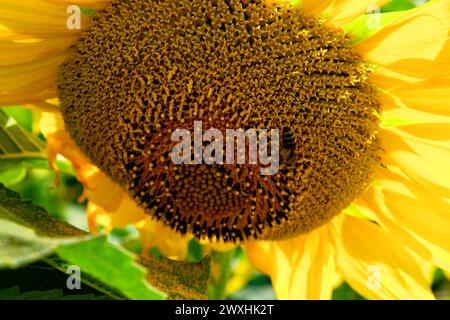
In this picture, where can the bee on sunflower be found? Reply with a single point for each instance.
(364, 109)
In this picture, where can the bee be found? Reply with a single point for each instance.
(288, 146)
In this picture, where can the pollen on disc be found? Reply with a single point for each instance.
(146, 68)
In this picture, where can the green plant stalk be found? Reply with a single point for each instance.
(222, 263)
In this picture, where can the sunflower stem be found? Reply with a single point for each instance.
(221, 272)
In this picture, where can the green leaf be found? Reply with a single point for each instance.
(400, 5)
(23, 116)
(13, 176)
(42, 276)
(64, 166)
(195, 251)
(61, 265)
(20, 245)
(9, 292)
(368, 25)
(180, 280)
(16, 142)
(27, 214)
(38, 234)
(17, 146)
(104, 261)
(57, 294)
(87, 11)
(112, 265)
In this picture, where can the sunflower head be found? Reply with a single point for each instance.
(146, 68)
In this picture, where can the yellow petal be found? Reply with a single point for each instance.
(50, 122)
(28, 95)
(429, 254)
(219, 246)
(29, 82)
(34, 41)
(242, 275)
(300, 268)
(441, 258)
(108, 205)
(40, 17)
(169, 242)
(98, 188)
(340, 12)
(406, 120)
(348, 10)
(374, 264)
(22, 49)
(152, 233)
(426, 215)
(393, 227)
(47, 106)
(438, 68)
(387, 79)
(427, 160)
(399, 47)
(430, 131)
(428, 96)
(316, 8)
(417, 208)
(124, 213)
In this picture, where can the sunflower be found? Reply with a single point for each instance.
(363, 196)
